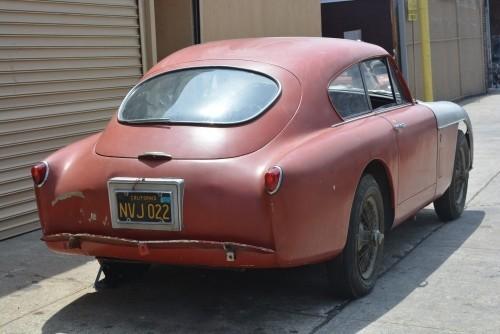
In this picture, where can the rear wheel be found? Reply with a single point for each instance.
(451, 204)
(354, 272)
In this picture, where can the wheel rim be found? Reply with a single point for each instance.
(460, 177)
(368, 237)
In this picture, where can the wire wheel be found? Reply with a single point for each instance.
(367, 243)
(354, 272)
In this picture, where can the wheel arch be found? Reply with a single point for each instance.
(380, 171)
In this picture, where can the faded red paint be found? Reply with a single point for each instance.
(225, 202)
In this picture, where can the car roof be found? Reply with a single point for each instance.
(299, 55)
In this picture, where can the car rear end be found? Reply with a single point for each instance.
(174, 188)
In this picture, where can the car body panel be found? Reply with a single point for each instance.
(228, 218)
(417, 152)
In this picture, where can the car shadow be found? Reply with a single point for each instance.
(399, 281)
(194, 300)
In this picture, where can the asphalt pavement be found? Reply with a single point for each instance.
(437, 278)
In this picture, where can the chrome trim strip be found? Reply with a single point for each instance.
(392, 108)
(373, 113)
(349, 120)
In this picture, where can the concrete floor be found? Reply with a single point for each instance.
(438, 278)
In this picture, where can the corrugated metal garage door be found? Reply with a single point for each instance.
(64, 68)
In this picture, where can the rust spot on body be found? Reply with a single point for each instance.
(68, 195)
(92, 217)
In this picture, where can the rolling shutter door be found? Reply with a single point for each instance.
(65, 66)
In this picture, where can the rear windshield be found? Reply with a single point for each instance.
(200, 95)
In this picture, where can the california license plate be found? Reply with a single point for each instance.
(144, 207)
(146, 203)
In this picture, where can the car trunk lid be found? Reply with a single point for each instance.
(188, 142)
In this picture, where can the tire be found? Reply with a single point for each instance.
(451, 204)
(354, 272)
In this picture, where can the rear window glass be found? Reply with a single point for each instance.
(200, 95)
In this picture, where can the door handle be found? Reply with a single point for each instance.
(399, 126)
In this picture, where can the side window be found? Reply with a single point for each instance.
(347, 93)
(378, 83)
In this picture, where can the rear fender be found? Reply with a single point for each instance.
(312, 208)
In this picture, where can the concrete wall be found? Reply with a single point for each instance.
(225, 19)
(458, 60)
(174, 26)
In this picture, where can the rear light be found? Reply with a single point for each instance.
(273, 179)
(40, 173)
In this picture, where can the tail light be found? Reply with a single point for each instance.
(40, 173)
(273, 179)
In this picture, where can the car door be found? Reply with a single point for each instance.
(415, 131)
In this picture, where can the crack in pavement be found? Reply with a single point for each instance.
(483, 187)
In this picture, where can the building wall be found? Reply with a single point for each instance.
(174, 26)
(458, 60)
(225, 19)
(64, 70)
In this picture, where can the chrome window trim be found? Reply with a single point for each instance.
(396, 107)
(350, 120)
(257, 115)
(377, 113)
(364, 85)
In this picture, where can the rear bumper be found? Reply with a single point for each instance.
(179, 252)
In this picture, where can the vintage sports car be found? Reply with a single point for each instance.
(258, 153)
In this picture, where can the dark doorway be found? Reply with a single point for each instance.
(367, 20)
(495, 42)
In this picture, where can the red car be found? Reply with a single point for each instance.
(258, 153)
